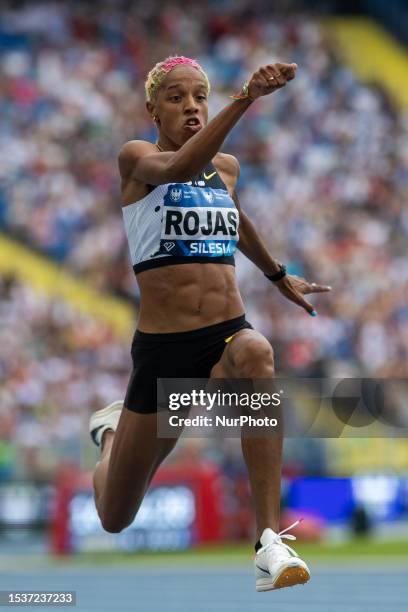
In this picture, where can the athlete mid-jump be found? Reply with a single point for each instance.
(181, 216)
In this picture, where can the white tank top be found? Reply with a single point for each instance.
(178, 223)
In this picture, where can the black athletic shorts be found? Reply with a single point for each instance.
(190, 354)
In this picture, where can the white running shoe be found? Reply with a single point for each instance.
(276, 564)
(106, 418)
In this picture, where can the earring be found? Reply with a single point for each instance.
(155, 118)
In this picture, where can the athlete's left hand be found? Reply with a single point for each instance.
(294, 288)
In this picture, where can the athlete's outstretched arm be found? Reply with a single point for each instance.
(155, 168)
(252, 246)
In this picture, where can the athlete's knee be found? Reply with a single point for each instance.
(254, 359)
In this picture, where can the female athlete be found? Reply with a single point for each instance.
(181, 215)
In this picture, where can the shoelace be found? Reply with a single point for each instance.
(278, 539)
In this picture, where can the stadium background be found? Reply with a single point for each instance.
(324, 176)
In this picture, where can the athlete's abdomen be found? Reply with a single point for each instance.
(183, 297)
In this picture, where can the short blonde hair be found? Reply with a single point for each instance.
(161, 69)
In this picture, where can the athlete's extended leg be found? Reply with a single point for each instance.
(130, 458)
(249, 355)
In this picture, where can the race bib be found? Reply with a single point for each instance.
(198, 222)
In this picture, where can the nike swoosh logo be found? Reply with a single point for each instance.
(262, 570)
(207, 178)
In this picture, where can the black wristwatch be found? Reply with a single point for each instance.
(278, 275)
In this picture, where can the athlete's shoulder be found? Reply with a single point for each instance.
(136, 148)
(132, 151)
(227, 163)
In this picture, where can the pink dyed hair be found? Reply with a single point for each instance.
(179, 60)
(161, 69)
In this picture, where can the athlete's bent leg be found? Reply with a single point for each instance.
(249, 355)
(130, 458)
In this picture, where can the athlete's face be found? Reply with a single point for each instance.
(182, 104)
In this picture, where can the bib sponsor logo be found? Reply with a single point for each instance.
(176, 194)
(169, 245)
(209, 196)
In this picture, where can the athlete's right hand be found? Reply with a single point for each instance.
(268, 79)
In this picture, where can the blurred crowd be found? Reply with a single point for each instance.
(324, 177)
(55, 365)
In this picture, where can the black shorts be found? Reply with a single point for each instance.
(190, 354)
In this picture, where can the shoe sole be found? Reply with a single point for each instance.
(290, 576)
